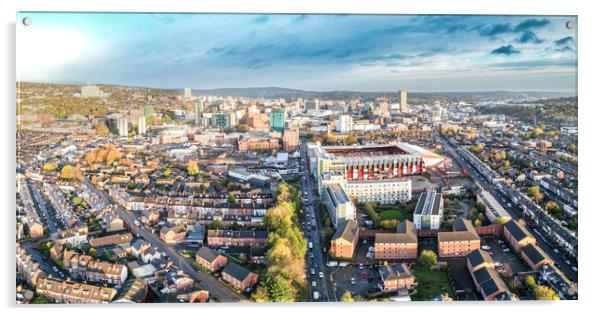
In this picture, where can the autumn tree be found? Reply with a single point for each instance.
(101, 129)
(347, 297)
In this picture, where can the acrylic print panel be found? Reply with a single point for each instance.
(295, 158)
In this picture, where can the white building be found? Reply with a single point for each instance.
(429, 210)
(384, 191)
(187, 93)
(339, 204)
(344, 124)
(141, 125)
(122, 126)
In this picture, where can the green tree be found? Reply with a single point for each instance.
(347, 297)
(231, 198)
(427, 258)
(93, 253)
(279, 290)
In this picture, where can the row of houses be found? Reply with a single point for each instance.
(89, 269)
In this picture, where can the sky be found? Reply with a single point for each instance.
(420, 53)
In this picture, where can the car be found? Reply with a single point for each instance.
(506, 250)
(567, 262)
(55, 269)
(498, 264)
(371, 249)
(499, 241)
(574, 268)
(312, 271)
(311, 255)
(361, 266)
(555, 250)
(321, 274)
(485, 247)
(313, 284)
(365, 241)
(353, 281)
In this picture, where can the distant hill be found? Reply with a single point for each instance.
(477, 96)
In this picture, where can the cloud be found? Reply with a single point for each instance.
(496, 29)
(505, 50)
(531, 24)
(565, 49)
(529, 37)
(565, 41)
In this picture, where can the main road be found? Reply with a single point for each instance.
(209, 282)
(312, 228)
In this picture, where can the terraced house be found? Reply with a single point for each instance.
(89, 269)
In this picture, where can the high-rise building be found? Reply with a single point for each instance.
(198, 112)
(148, 111)
(187, 93)
(141, 125)
(312, 105)
(90, 91)
(277, 120)
(290, 140)
(223, 120)
(403, 101)
(344, 124)
(122, 126)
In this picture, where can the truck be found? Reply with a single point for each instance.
(310, 245)
(316, 295)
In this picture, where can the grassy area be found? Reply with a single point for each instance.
(431, 283)
(392, 214)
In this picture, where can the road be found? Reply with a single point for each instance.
(42, 206)
(313, 233)
(504, 197)
(222, 292)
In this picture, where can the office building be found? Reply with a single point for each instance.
(339, 204)
(198, 112)
(290, 140)
(122, 126)
(141, 125)
(148, 111)
(429, 210)
(344, 124)
(187, 93)
(277, 120)
(403, 101)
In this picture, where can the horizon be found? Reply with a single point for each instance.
(325, 52)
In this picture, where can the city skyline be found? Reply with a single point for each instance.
(309, 52)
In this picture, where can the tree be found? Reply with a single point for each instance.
(231, 198)
(544, 293)
(216, 224)
(427, 258)
(193, 167)
(279, 290)
(93, 253)
(70, 173)
(91, 157)
(500, 220)
(112, 155)
(347, 297)
(101, 129)
(530, 281)
(49, 166)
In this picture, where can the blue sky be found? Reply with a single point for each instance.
(312, 52)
